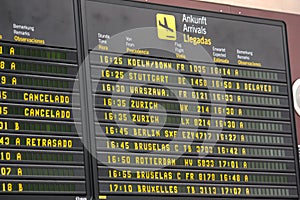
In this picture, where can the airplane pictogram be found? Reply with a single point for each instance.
(166, 27)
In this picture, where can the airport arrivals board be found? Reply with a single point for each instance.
(127, 100)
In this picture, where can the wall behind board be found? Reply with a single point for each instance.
(286, 6)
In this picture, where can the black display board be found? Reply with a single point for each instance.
(41, 139)
(126, 100)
